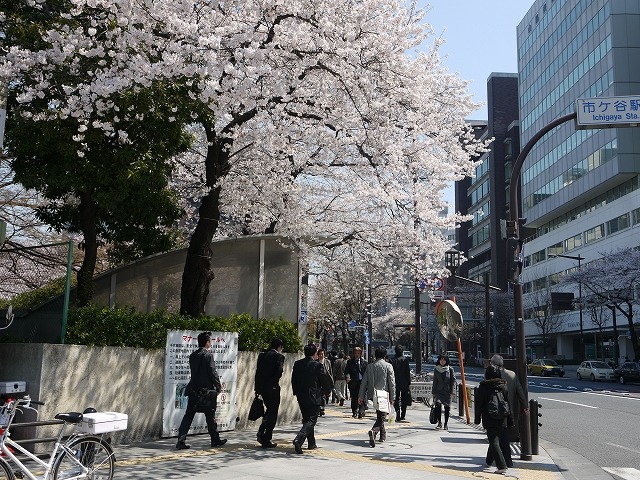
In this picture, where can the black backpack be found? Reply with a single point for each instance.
(498, 407)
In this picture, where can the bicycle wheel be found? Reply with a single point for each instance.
(86, 457)
(5, 471)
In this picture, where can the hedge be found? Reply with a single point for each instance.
(124, 327)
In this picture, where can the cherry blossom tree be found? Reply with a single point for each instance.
(327, 122)
(612, 280)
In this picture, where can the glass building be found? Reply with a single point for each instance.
(580, 188)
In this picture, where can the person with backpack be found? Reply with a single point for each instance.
(444, 381)
(518, 404)
(492, 407)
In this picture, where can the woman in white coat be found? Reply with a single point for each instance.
(378, 376)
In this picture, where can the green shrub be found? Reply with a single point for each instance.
(37, 296)
(124, 327)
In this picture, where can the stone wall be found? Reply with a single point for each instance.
(130, 380)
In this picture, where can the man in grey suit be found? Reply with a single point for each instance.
(518, 403)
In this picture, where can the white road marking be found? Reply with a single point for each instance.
(623, 447)
(571, 403)
(626, 473)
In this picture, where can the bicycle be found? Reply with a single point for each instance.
(80, 456)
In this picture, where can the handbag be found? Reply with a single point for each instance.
(381, 400)
(257, 408)
(206, 400)
(433, 415)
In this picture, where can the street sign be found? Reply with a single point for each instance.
(437, 295)
(303, 316)
(608, 112)
(438, 283)
(352, 326)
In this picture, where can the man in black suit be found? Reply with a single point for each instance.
(310, 384)
(354, 373)
(402, 372)
(267, 385)
(203, 375)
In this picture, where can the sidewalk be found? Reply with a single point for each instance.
(413, 450)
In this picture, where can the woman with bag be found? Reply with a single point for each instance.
(444, 380)
(379, 385)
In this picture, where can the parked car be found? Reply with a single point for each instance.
(545, 367)
(628, 372)
(408, 354)
(595, 370)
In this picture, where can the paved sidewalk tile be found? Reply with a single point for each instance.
(413, 450)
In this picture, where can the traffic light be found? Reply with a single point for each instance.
(514, 259)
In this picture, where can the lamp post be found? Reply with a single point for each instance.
(579, 259)
(513, 227)
(616, 347)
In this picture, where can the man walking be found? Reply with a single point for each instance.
(340, 385)
(203, 376)
(518, 404)
(310, 384)
(402, 373)
(354, 373)
(267, 384)
(326, 363)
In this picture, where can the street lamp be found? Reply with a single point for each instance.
(579, 260)
(616, 345)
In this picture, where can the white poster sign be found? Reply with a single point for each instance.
(181, 344)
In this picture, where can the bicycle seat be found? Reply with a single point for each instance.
(71, 417)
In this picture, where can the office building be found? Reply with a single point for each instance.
(580, 188)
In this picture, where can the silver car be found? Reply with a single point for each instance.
(595, 370)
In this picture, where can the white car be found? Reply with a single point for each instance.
(595, 370)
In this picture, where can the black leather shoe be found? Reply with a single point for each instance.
(269, 445)
(182, 446)
(312, 447)
(297, 447)
(218, 443)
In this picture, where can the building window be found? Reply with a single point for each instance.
(635, 214)
(556, 249)
(618, 224)
(573, 242)
(539, 256)
(594, 234)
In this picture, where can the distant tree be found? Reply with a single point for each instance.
(539, 309)
(613, 280)
(596, 309)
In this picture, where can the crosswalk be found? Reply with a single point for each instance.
(624, 473)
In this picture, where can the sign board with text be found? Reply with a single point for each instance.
(608, 112)
(180, 344)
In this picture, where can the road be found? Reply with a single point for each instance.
(598, 420)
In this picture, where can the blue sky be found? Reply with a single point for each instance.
(476, 43)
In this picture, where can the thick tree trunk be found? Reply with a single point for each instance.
(90, 247)
(197, 274)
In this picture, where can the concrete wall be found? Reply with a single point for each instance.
(130, 380)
